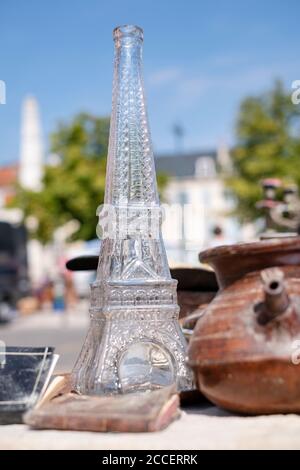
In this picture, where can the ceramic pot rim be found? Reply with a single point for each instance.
(246, 249)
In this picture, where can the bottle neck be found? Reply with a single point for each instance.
(128, 63)
(130, 172)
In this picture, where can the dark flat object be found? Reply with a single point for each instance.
(191, 279)
(191, 398)
(23, 373)
(195, 279)
(83, 263)
(145, 412)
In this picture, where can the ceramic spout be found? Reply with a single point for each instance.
(276, 299)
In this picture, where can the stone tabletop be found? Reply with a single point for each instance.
(203, 428)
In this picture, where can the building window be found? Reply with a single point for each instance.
(205, 167)
(206, 197)
(183, 198)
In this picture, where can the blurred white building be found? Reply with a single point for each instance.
(197, 205)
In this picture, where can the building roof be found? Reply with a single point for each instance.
(178, 165)
(8, 175)
(181, 165)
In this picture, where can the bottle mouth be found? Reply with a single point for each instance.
(128, 31)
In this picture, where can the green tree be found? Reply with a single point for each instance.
(268, 145)
(74, 186)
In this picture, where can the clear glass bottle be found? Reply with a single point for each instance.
(134, 342)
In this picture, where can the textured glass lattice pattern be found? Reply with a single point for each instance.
(134, 342)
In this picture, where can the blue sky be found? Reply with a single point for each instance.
(200, 58)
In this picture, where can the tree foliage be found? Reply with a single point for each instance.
(73, 186)
(268, 145)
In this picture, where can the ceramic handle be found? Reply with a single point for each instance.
(189, 322)
(276, 300)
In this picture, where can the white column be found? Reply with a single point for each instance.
(31, 150)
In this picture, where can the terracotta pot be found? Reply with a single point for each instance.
(244, 349)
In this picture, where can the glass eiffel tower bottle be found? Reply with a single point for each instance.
(134, 342)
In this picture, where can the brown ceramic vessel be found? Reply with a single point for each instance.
(245, 349)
